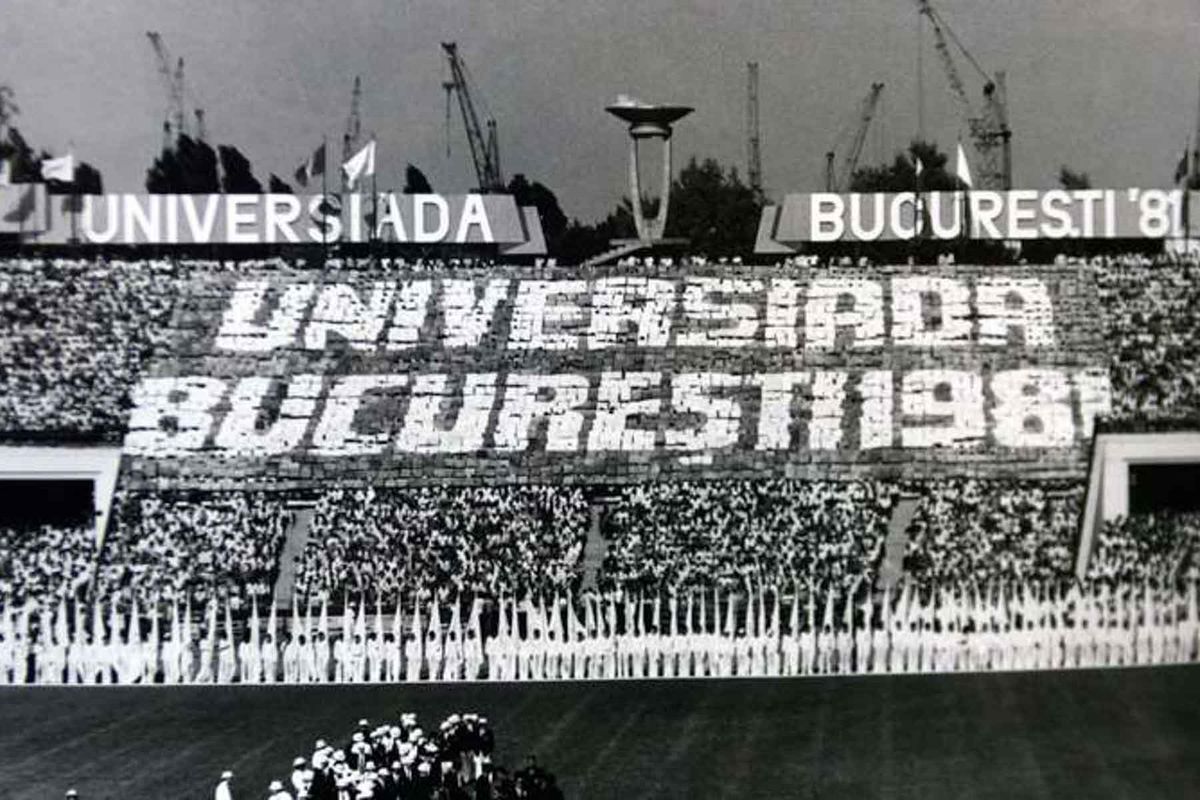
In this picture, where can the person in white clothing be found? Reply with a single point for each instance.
(224, 790)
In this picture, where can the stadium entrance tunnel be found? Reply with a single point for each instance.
(28, 503)
(1137, 473)
(57, 486)
(1164, 487)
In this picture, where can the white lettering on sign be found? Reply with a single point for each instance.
(825, 315)
(642, 304)
(1015, 214)
(255, 219)
(555, 400)
(541, 304)
(688, 368)
(240, 435)
(909, 324)
(422, 431)
(950, 402)
(1029, 408)
(336, 434)
(919, 311)
(615, 405)
(172, 416)
(720, 417)
(730, 324)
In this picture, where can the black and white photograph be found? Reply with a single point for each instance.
(586, 400)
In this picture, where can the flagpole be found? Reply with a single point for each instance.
(374, 212)
(324, 205)
(74, 196)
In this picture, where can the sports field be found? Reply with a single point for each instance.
(1090, 734)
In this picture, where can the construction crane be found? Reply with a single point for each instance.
(753, 143)
(485, 148)
(353, 122)
(834, 181)
(175, 122)
(173, 82)
(987, 124)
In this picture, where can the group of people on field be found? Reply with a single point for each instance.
(404, 760)
(761, 632)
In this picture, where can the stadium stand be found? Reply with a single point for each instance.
(74, 337)
(464, 539)
(174, 545)
(43, 563)
(699, 535)
(78, 335)
(1151, 311)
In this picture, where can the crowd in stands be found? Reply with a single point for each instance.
(478, 539)
(1164, 548)
(166, 546)
(1151, 312)
(390, 542)
(45, 563)
(74, 336)
(983, 530)
(698, 534)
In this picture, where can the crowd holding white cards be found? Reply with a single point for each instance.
(758, 633)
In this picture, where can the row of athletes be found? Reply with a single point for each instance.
(910, 644)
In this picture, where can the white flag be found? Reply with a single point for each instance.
(920, 166)
(962, 169)
(59, 169)
(360, 165)
(5, 173)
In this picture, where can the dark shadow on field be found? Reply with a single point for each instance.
(1112, 733)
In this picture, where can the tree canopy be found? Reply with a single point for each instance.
(415, 181)
(25, 163)
(1070, 179)
(901, 174)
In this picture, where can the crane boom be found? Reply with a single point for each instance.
(173, 124)
(987, 124)
(835, 181)
(485, 147)
(870, 103)
(957, 87)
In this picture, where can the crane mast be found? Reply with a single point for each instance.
(173, 83)
(353, 132)
(834, 181)
(753, 143)
(175, 122)
(988, 127)
(481, 137)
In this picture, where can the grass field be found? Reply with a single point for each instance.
(1090, 734)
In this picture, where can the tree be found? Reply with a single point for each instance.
(236, 175)
(190, 167)
(1069, 179)
(554, 221)
(277, 185)
(23, 163)
(901, 174)
(8, 109)
(415, 181)
(713, 209)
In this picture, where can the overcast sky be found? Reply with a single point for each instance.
(1109, 87)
